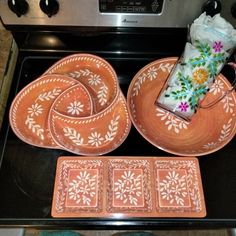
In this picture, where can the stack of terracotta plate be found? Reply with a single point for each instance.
(76, 105)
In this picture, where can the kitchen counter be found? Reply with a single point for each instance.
(8, 55)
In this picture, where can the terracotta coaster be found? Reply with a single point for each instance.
(209, 130)
(95, 73)
(29, 110)
(93, 135)
(74, 101)
(125, 187)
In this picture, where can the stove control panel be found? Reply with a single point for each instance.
(112, 13)
(131, 6)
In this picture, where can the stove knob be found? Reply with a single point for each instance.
(233, 10)
(212, 7)
(49, 7)
(19, 7)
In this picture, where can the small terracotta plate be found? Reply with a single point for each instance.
(95, 73)
(210, 129)
(29, 110)
(74, 101)
(93, 135)
(122, 187)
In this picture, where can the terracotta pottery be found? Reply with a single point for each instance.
(209, 130)
(95, 73)
(29, 110)
(123, 187)
(92, 135)
(75, 102)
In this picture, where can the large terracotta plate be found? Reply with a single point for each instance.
(29, 110)
(92, 135)
(210, 129)
(122, 187)
(95, 73)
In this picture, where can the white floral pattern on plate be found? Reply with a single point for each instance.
(84, 183)
(83, 189)
(94, 72)
(130, 183)
(173, 188)
(75, 108)
(30, 107)
(36, 110)
(178, 185)
(151, 74)
(94, 139)
(96, 134)
(93, 80)
(171, 121)
(128, 187)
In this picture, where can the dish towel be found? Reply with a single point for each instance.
(59, 233)
(212, 40)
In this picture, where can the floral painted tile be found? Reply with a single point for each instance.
(78, 187)
(129, 185)
(178, 187)
(126, 187)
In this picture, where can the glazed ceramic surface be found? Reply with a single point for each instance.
(121, 187)
(92, 135)
(29, 110)
(210, 129)
(74, 101)
(95, 73)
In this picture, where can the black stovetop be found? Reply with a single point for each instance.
(27, 172)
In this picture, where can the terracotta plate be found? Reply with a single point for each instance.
(210, 129)
(122, 187)
(29, 110)
(74, 101)
(95, 73)
(92, 135)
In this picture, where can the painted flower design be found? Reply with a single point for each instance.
(167, 195)
(173, 188)
(171, 121)
(75, 108)
(183, 106)
(95, 139)
(128, 188)
(217, 46)
(172, 177)
(200, 76)
(128, 177)
(152, 73)
(210, 145)
(217, 87)
(35, 110)
(83, 177)
(83, 188)
(228, 104)
(94, 79)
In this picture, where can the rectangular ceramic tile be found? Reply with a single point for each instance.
(178, 187)
(79, 187)
(128, 187)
